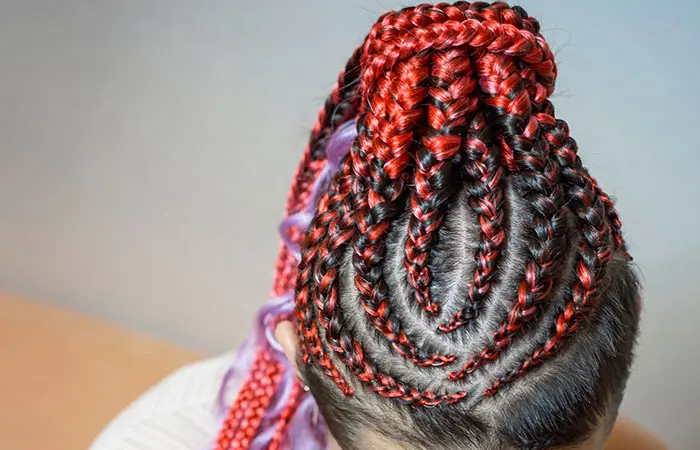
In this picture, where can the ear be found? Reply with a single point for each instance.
(286, 335)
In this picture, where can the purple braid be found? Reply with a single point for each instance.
(307, 429)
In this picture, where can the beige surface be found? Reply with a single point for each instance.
(63, 376)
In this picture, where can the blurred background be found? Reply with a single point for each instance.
(146, 149)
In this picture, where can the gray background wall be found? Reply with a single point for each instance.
(146, 149)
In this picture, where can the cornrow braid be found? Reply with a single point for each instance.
(595, 250)
(557, 136)
(340, 106)
(486, 189)
(537, 181)
(450, 102)
(486, 198)
(460, 229)
(329, 315)
(239, 428)
(613, 216)
(311, 345)
(390, 137)
(337, 229)
(441, 36)
(393, 88)
(453, 104)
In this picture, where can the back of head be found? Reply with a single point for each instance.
(464, 282)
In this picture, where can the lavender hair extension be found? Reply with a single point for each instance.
(307, 428)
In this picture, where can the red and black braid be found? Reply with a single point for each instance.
(452, 97)
(243, 421)
(511, 97)
(461, 229)
(341, 105)
(486, 198)
(393, 88)
(389, 124)
(484, 183)
(599, 240)
(450, 104)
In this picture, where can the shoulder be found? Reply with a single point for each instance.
(629, 434)
(180, 412)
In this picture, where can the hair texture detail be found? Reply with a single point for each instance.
(450, 102)
(462, 243)
(446, 255)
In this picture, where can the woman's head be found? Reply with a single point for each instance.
(464, 283)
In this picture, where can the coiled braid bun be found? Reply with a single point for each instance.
(463, 247)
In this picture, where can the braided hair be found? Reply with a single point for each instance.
(461, 245)
(271, 410)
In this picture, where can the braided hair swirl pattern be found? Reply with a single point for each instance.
(452, 100)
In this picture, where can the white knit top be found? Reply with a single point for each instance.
(179, 413)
